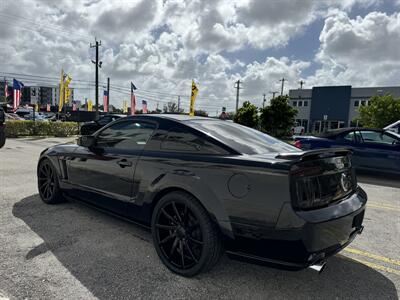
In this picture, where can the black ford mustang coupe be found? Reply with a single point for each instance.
(206, 186)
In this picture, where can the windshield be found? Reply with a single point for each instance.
(241, 138)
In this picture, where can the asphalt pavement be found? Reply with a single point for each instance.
(71, 251)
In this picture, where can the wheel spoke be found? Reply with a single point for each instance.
(166, 239)
(182, 254)
(176, 212)
(168, 216)
(195, 240)
(173, 248)
(166, 227)
(190, 251)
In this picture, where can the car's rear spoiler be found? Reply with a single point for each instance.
(313, 154)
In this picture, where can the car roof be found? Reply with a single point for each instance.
(336, 132)
(174, 117)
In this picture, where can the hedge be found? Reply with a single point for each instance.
(16, 128)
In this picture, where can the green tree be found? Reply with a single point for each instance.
(200, 113)
(247, 115)
(381, 111)
(172, 108)
(278, 118)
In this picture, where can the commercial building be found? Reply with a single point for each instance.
(32, 94)
(329, 107)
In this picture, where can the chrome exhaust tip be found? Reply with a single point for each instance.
(319, 267)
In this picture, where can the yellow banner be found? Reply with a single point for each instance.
(61, 100)
(67, 94)
(89, 105)
(193, 96)
(125, 107)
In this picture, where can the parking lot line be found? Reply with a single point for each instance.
(386, 207)
(376, 266)
(373, 256)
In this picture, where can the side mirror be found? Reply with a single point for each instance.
(88, 141)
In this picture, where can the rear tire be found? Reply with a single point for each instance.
(187, 241)
(48, 185)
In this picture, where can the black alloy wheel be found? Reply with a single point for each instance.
(48, 186)
(185, 238)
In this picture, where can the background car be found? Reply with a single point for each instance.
(92, 126)
(373, 149)
(204, 185)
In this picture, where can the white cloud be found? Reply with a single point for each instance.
(361, 51)
(162, 45)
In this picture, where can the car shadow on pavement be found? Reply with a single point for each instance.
(377, 178)
(116, 259)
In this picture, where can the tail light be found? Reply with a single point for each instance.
(318, 183)
(297, 144)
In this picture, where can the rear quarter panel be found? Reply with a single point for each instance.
(231, 189)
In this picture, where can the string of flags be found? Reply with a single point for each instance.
(65, 96)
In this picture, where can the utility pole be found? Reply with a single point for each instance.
(98, 65)
(301, 82)
(273, 94)
(264, 99)
(179, 102)
(237, 86)
(108, 94)
(283, 83)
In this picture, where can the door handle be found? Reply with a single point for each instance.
(124, 163)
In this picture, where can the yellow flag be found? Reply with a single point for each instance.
(89, 105)
(37, 107)
(67, 81)
(125, 107)
(193, 96)
(67, 94)
(61, 101)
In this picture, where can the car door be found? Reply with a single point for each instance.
(104, 174)
(382, 151)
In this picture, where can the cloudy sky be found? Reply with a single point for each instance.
(161, 45)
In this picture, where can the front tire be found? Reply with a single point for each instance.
(186, 239)
(48, 185)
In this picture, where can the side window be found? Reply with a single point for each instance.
(350, 136)
(128, 135)
(104, 120)
(181, 140)
(378, 137)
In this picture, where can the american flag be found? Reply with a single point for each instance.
(144, 106)
(17, 87)
(48, 108)
(74, 106)
(6, 88)
(105, 101)
(133, 99)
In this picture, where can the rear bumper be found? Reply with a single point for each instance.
(304, 239)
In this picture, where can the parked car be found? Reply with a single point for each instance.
(395, 127)
(12, 116)
(2, 127)
(92, 126)
(205, 185)
(373, 149)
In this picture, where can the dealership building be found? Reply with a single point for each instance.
(329, 107)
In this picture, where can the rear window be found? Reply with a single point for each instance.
(241, 138)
